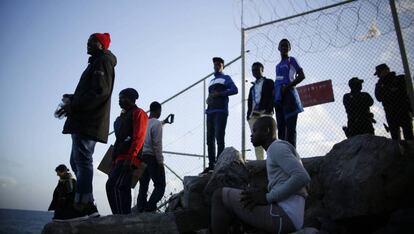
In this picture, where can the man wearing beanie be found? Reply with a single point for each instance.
(130, 129)
(88, 117)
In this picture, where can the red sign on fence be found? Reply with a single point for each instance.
(316, 93)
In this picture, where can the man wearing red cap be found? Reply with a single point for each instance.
(88, 117)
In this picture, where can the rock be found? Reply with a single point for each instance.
(143, 223)
(307, 230)
(401, 222)
(365, 175)
(176, 202)
(229, 171)
(193, 191)
(363, 185)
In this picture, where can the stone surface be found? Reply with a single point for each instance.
(229, 171)
(142, 223)
(363, 185)
(193, 191)
(365, 175)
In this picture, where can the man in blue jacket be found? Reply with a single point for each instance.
(287, 101)
(219, 90)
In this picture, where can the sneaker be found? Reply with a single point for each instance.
(207, 170)
(91, 210)
(69, 216)
(88, 209)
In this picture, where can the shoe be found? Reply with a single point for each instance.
(69, 216)
(88, 209)
(207, 170)
(91, 210)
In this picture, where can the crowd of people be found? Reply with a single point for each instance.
(139, 140)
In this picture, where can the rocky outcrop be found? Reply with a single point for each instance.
(359, 184)
(363, 185)
(141, 223)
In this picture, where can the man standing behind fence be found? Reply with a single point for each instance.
(152, 156)
(260, 101)
(357, 106)
(219, 90)
(88, 117)
(130, 129)
(392, 92)
(287, 101)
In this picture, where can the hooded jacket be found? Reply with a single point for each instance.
(130, 130)
(392, 92)
(91, 102)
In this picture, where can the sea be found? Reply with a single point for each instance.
(23, 221)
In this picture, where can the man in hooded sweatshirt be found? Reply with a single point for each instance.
(88, 117)
(130, 129)
(392, 92)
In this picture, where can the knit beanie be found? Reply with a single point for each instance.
(103, 38)
(130, 93)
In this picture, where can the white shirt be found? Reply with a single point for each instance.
(153, 139)
(258, 85)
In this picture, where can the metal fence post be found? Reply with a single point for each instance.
(243, 109)
(204, 124)
(408, 81)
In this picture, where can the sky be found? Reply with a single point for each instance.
(162, 47)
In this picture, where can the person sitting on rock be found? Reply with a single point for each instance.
(281, 208)
(63, 197)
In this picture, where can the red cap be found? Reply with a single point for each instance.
(103, 38)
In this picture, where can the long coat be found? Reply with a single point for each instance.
(91, 102)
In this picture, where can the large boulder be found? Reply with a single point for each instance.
(229, 171)
(359, 184)
(366, 175)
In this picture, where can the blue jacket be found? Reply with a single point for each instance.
(224, 85)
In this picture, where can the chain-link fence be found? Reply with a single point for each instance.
(338, 43)
(183, 141)
(345, 41)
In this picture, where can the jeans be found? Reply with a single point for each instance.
(216, 130)
(286, 127)
(156, 173)
(118, 188)
(81, 163)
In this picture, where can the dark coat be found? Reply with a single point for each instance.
(392, 92)
(360, 118)
(63, 195)
(266, 101)
(91, 102)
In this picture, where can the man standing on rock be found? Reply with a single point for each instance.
(219, 90)
(260, 101)
(88, 117)
(287, 101)
(130, 129)
(392, 92)
(357, 106)
(152, 156)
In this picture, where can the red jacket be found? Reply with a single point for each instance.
(130, 131)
